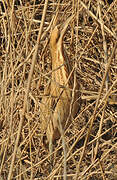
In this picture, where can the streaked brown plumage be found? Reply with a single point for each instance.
(55, 107)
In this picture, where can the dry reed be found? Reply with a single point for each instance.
(91, 138)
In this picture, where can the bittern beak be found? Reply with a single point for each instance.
(65, 25)
(56, 37)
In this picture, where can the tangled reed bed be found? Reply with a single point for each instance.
(90, 42)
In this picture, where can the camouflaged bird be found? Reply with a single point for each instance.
(55, 105)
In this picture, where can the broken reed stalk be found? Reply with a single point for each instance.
(94, 113)
(94, 17)
(104, 43)
(54, 108)
(27, 91)
(106, 81)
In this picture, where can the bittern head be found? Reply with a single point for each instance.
(55, 34)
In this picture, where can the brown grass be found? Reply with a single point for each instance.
(25, 71)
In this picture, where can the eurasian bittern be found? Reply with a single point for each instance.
(55, 105)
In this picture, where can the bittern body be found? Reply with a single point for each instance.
(55, 105)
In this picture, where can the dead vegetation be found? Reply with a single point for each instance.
(25, 71)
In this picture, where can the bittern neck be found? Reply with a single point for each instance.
(58, 56)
